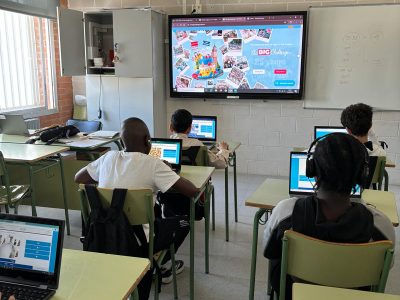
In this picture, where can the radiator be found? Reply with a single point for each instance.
(33, 123)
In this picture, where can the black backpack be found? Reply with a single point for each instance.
(109, 231)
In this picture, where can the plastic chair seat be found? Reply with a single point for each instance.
(17, 192)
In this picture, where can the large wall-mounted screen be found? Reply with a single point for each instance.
(237, 56)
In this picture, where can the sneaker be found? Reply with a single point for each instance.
(167, 273)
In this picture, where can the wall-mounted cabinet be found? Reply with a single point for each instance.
(127, 43)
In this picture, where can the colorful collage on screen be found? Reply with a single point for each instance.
(237, 54)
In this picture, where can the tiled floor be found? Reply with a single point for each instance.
(229, 261)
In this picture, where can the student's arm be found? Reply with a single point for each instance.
(220, 159)
(185, 187)
(84, 177)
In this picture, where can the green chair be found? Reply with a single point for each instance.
(335, 264)
(11, 195)
(139, 210)
(378, 174)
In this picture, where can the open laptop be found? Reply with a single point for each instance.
(299, 183)
(204, 128)
(30, 256)
(169, 150)
(324, 130)
(13, 124)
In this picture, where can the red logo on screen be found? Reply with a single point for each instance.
(264, 51)
(280, 71)
(194, 44)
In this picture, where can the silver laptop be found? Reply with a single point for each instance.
(204, 128)
(30, 256)
(13, 124)
(299, 183)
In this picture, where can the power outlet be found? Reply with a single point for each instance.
(197, 8)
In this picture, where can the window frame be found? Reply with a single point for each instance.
(38, 111)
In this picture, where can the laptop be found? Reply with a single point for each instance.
(324, 130)
(13, 124)
(204, 128)
(30, 256)
(299, 183)
(169, 150)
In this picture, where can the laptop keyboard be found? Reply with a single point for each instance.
(23, 292)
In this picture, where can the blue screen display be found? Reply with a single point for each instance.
(29, 246)
(319, 132)
(166, 150)
(204, 128)
(237, 54)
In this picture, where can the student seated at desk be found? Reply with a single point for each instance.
(339, 163)
(181, 125)
(357, 119)
(133, 168)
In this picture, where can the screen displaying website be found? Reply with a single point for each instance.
(169, 151)
(203, 129)
(237, 54)
(28, 246)
(319, 132)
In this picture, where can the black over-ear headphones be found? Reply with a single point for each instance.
(313, 170)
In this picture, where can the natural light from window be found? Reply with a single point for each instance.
(27, 69)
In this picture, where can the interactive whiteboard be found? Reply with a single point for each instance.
(353, 56)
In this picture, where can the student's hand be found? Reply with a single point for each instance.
(11, 297)
(223, 145)
(167, 163)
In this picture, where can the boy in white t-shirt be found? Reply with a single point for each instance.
(133, 168)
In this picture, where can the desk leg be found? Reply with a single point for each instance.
(207, 227)
(386, 176)
(64, 193)
(235, 185)
(257, 218)
(226, 205)
(213, 209)
(191, 278)
(33, 194)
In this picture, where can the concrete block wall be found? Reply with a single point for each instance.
(267, 130)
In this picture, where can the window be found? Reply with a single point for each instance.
(27, 67)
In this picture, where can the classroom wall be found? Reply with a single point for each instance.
(267, 130)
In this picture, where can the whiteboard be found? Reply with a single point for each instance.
(353, 56)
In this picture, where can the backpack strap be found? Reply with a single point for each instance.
(117, 203)
(93, 197)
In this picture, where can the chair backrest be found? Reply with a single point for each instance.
(138, 208)
(4, 179)
(195, 156)
(86, 126)
(377, 173)
(335, 264)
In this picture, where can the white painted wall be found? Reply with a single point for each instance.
(267, 130)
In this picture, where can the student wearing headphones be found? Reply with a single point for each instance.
(338, 162)
(357, 119)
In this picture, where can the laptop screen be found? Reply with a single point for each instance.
(324, 130)
(204, 128)
(299, 183)
(167, 149)
(30, 247)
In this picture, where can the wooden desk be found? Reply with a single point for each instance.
(29, 155)
(389, 163)
(271, 191)
(89, 275)
(303, 291)
(200, 177)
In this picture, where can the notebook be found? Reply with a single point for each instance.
(30, 256)
(103, 134)
(169, 150)
(324, 130)
(204, 128)
(13, 124)
(299, 183)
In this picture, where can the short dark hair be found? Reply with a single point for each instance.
(340, 161)
(181, 120)
(357, 118)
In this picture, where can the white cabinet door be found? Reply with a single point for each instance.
(72, 42)
(136, 100)
(132, 33)
(102, 93)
